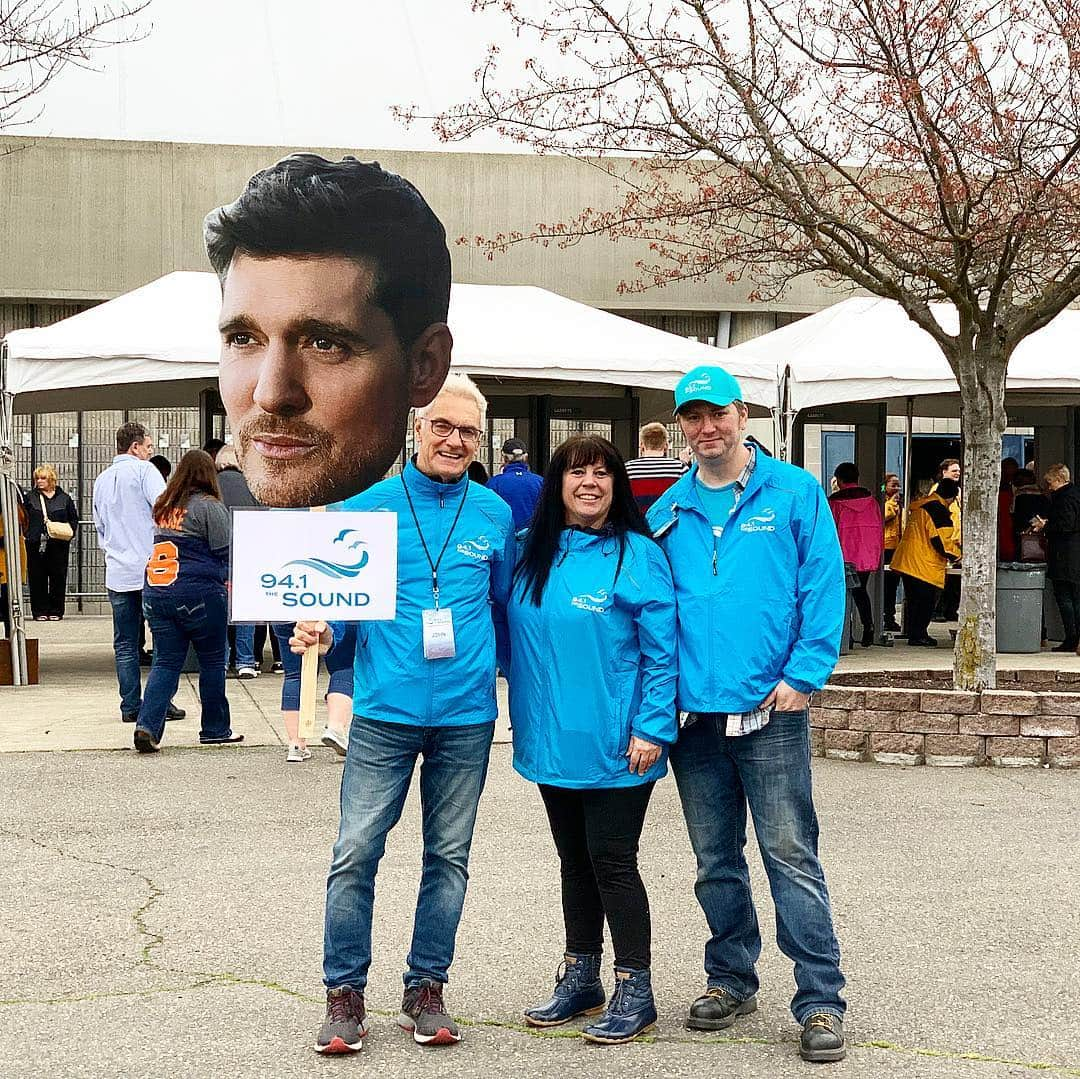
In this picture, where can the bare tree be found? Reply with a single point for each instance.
(923, 150)
(39, 38)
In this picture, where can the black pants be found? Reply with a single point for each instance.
(862, 605)
(892, 583)
(47, 572)
(950, 598)
(596, 833)
(1067, 594)
(918, 607)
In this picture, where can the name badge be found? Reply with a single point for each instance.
(438, 634)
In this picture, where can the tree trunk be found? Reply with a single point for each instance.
(981, 374)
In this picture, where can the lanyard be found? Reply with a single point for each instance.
(423, 542)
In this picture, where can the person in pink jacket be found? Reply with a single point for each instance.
(861, 528)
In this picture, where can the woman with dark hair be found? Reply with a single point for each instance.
(185, 601)
(592, 676)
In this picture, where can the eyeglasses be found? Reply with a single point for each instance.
(470, 436)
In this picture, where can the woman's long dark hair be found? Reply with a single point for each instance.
(195, 474)
(549, 517)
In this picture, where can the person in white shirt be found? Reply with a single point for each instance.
(124, 495)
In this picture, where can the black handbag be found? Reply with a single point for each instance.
(1033, 547)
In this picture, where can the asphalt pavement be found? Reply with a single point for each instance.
(162, 915)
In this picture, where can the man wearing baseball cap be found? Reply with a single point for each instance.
(516, 485)
(759, 580)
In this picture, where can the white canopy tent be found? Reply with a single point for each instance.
(867, 349)
(166, 331)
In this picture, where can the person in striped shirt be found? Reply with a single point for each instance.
(653, 471)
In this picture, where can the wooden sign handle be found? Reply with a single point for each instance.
(309, 681)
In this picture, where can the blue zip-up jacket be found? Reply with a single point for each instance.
(594, 663)
(762, 603)
(519, 488)
(393, 681)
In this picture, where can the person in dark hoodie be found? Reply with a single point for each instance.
(860, 525)
(1062, 528)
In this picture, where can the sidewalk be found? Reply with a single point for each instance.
(77, 705)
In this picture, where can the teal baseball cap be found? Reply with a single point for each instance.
(711, 384)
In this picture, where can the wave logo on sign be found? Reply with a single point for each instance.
(294, 589)
(589, 602)
(340, 570)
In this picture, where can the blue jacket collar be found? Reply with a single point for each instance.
(682, 495)
(425, 486)
(516, 466)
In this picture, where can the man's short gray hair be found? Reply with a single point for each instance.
(459, 385)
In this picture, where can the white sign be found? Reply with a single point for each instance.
(289, 565)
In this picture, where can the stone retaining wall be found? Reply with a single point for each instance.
(946, 727)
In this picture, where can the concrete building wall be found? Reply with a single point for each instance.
(90, 219)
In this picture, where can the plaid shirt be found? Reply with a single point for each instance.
(738, 723)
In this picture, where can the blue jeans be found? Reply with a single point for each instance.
(339, 665)
(717, 777)
(245, 646)
(378, 770)
(178, 619)
(127, 622)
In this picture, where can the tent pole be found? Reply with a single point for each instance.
(909, 413)
(9, 515)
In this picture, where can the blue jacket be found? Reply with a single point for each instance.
(593, 664)
(519, 489)
(762, 603)
(393, 681)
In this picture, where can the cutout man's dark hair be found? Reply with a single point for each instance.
(306, 205)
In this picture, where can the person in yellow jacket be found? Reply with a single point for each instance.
(948, 605)
(894, 527)
(929, 543)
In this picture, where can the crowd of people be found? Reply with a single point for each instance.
(921, 544)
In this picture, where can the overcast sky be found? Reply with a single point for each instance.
(292, 72)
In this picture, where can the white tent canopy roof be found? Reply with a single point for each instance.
(167, 331)
(867, 349)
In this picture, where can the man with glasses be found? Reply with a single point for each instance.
(424, 689)
(759, 581)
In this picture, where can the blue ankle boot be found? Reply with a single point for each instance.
(578, 991)
(630, 1012)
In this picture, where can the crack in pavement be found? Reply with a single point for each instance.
(198, 980)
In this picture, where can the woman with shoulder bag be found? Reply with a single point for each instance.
(53, 519)
(592, 673)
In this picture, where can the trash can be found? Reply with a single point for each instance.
(1020, 606)
(851, 582)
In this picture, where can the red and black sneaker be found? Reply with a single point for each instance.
(345, 1026)
(423, 1013)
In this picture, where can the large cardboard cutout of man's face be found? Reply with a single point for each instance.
(316, 383)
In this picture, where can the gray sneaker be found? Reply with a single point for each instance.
(423, 1013)
(345, 1025)
(297, 755)
(339, 743)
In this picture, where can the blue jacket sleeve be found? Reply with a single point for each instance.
(502, 575)
(656, 720)
(820, 596)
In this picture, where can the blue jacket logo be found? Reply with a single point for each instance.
(760, 522)
(588, 602)
(479, 548)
